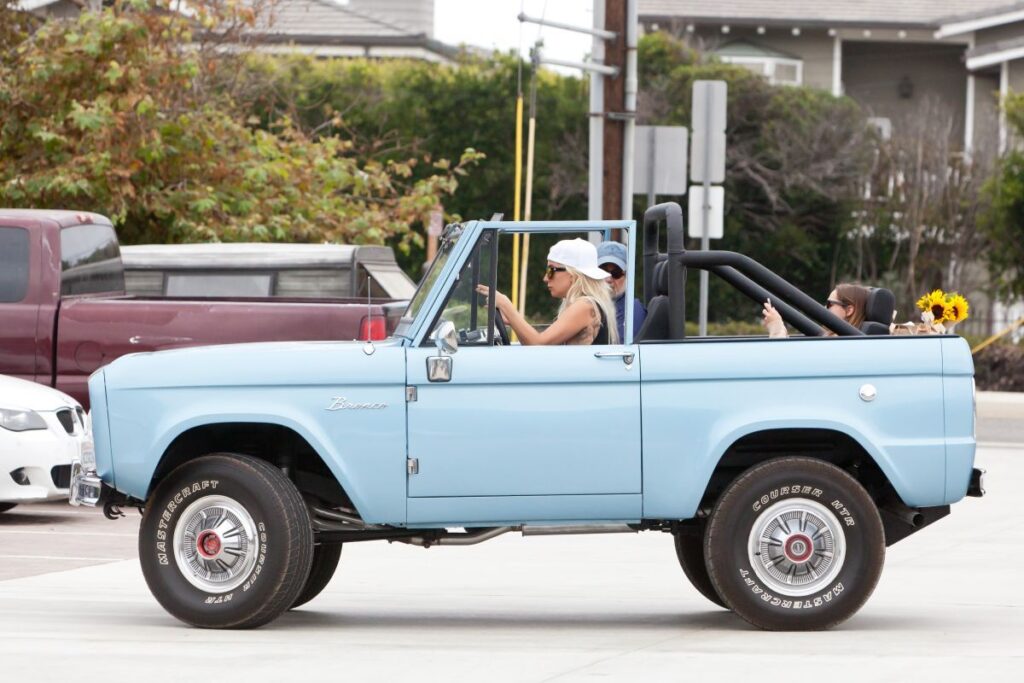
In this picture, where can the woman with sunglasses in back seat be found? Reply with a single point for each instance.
(847, 301)
(583, 318)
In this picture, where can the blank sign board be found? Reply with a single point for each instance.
(660, 151)
(715, 215)
(708, 118)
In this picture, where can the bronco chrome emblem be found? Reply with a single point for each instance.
(342, 403)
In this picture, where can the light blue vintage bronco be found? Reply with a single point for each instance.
(782, 468)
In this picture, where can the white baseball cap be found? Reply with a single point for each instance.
(579, 254)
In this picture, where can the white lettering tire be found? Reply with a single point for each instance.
(794, 544)
(226, 542)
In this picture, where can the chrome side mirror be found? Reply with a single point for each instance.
(446, 338)
(439, 368)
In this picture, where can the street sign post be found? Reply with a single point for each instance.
(660, 161)
(708, 117)
(715, 221)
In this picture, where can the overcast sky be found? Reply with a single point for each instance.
(493, 24)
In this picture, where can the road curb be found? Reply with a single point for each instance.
(1001, 405)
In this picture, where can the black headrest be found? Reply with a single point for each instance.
(879, 307)
(660, 278)
(655, 327)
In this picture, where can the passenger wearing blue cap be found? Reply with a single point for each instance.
(611, 258)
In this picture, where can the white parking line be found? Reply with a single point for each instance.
(69, 559)
(51, 532)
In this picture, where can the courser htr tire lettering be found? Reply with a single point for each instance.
(226, 542)
(794, 544)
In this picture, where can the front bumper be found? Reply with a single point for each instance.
(86, 486)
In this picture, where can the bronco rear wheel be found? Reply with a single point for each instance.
(795, 544)
(226, 542)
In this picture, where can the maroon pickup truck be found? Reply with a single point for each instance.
(64, 312)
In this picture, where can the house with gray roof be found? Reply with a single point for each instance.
(326, 28)
(889, 56)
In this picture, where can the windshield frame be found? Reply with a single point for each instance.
(451, 237)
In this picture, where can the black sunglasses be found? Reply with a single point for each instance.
(833, 302)
(614, 272)
(551, 270)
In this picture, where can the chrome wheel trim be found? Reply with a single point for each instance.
(216, 544)
(796, 547)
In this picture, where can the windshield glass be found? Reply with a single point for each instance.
(444, 251)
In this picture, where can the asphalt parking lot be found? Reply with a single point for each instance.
(616, 607)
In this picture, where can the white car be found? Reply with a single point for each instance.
(41, 431)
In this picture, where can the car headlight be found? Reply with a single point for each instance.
(21, 420)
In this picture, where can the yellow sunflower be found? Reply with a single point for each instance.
(956, 308)
(935, 303)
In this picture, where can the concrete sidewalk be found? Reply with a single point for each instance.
(1001, 405)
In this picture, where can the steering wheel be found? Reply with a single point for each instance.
(499, 323)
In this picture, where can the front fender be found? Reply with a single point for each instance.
(361, 440)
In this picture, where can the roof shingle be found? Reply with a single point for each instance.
(909, 13)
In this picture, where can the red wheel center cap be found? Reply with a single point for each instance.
(798, 548)
(208, 544)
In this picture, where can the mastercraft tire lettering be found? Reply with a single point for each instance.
(795, 544)
(226, 542)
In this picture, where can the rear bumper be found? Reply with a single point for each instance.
(976, 489)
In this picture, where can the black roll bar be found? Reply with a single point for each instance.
(759, 294)
(742, 272)
(672, 214)
(774, 284)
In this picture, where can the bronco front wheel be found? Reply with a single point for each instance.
(795, 544)
(226, 542)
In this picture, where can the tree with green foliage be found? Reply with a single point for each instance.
(794, 159)
(1004, 220)
(126, 112)
(406, 107)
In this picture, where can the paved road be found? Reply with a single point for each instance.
(949, 607)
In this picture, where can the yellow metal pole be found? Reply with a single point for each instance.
(995, 337)
(518, 193)
(529, 208)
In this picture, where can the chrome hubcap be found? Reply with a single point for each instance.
(796, 547)
(215, 544)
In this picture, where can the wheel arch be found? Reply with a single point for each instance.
(828, 444)
(277, 444)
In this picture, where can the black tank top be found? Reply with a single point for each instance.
(602, 332)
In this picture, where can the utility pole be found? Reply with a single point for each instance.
(613, 85)
(614, 106)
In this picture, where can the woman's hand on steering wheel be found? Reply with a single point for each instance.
(501, 304)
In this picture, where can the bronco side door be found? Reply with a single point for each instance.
(519, 433)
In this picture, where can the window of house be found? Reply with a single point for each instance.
(778, 70)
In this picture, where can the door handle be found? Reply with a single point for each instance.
(626, 356)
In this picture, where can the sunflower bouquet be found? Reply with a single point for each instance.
(940, 312)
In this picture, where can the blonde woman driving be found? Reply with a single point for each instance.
(572, 275)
